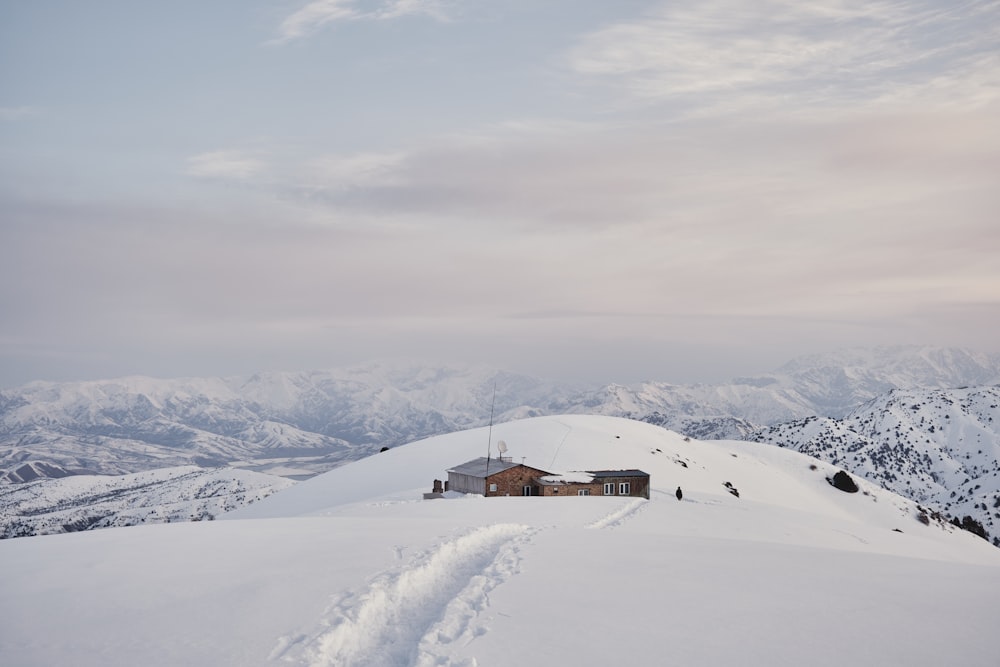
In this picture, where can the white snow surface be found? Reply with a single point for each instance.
(353, 568)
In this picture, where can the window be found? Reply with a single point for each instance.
(493, 488)
(525, 490)
(583, 492)
(609, 488)
(624, 489)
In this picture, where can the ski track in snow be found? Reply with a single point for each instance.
(408, 617)
(555, 455)
(620, 515)
(850, 534)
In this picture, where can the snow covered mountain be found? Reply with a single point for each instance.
(353, 568)
(828, 385)
(84, 502)
(291, 423)
(302, 423)
(939, 447)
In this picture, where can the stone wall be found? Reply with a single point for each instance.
(512, 482)
(572, 489)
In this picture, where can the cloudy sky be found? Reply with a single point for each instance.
(682, 191)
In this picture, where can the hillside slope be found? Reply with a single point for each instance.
(941, 448)
(764, 476)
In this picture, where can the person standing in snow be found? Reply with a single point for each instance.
(679, 493)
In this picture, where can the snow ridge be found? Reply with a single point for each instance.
(408, 617)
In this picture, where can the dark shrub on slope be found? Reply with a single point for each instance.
(843, 482)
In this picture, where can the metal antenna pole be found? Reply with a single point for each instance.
(489, 438)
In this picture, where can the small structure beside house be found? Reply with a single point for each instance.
(503, 477)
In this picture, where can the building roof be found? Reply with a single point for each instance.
(618, 473)
(478, 467)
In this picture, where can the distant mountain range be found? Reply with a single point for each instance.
(828, 385)
(307, 422)
(296, 424)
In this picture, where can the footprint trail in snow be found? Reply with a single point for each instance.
(408, 617)
(620, 515)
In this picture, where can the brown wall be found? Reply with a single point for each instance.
(511, 482)
(571, 489)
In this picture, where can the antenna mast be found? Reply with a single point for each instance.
(489, 440)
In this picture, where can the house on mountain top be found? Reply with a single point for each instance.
(503, 477)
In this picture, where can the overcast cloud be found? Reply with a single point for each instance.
(683, 191)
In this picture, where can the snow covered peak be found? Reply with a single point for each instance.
(734, 476)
